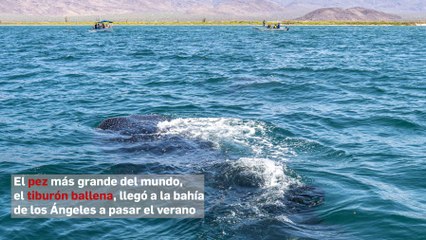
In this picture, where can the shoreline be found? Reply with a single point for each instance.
(215, 23)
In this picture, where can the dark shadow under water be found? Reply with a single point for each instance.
(245, 198)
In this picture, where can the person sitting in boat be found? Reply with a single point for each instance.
(278, 25)
(269, 26)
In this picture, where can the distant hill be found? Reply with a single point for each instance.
(195, 9)
(349, 14)
(400, 7)
(144, 8)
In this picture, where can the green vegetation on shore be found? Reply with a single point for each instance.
(215, 23)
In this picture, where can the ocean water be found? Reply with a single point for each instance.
(315, 133)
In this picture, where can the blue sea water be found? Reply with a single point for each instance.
(315, 133)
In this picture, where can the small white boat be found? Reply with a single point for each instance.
(102, 26)
(285, 29)
(421, 24)
(101, 30)
(272, 26)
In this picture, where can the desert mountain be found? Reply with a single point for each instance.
(167, 7)
(392, 6)
(181, 9)
(350, 14)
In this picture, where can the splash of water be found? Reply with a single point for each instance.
(232, 131)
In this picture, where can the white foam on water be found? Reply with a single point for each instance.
(284, 218)
(264, 168)
(219, 131)
(271, 176)
(266, 175)
(269, 173)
